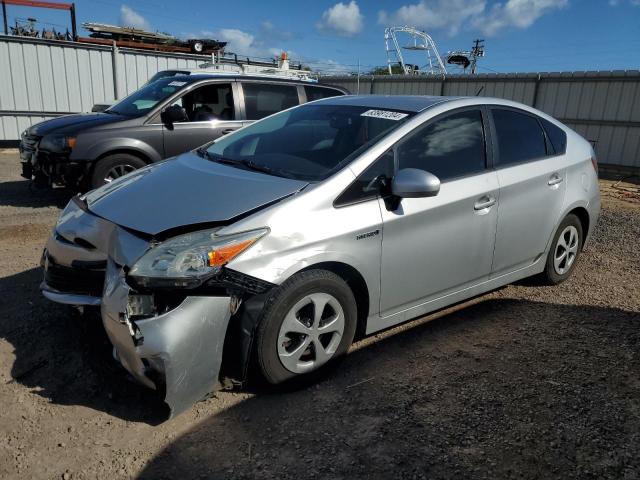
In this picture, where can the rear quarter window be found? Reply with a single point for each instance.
(556, 135)
(520, 137)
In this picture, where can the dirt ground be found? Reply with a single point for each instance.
(526, 382)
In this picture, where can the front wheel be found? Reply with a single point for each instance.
(565, 249)
(307, 325)
(114, 166)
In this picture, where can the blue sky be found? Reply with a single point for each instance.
(520, 35)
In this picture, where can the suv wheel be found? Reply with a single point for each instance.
(114, 166)
(307, 325)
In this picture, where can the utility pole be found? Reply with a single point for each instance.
(476, 51)
(4, 17)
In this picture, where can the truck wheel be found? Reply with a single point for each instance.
(307, 326)
(114, 166)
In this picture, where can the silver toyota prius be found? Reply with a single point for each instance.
(263, 254)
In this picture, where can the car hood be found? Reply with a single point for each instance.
(70, 124)
(186, 191)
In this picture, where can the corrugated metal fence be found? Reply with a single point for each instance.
(41, 79)
(604, 107)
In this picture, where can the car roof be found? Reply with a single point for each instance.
(194, 77)
(409, 103)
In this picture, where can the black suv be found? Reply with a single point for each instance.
(162, 119)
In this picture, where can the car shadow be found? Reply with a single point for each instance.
(502, 388)
(65, 356)
(23, 193)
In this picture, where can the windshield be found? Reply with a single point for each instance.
(166, 74)
(309, 142)
(142, 101)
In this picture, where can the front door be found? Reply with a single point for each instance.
(438, 245)
(212, 112)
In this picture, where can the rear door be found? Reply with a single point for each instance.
(262, 98)
(212, 110)
(532, 188)
(317, 92)
(437, 245)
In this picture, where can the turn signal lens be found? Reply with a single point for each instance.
(71, 142)
(223, 255)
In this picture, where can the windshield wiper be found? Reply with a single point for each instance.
(248, 164)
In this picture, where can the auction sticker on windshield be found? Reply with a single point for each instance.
(176, 84)
(386, 114)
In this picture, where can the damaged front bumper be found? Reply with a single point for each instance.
(173, 347)
(178, 353)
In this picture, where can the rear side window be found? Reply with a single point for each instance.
(452, 146)
(318, 93)
(557, 137)
(263, 99)
(520, 137)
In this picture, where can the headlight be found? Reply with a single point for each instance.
(57, 143)
(188, 260)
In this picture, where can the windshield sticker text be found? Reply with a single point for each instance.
(386, 114)
(176, 84)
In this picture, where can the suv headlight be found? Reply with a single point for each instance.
(188, 260)
(57, 143)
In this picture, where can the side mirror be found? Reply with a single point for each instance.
(173, 114)
(414, 183)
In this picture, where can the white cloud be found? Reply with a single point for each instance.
(342, 19)
(243, 43)
(515, 13)
(615, 3)
(130, 18)
(449, 15)
(452, 15)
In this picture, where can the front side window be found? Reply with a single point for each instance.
(520, 137)
(208, 102)
(449, 147)
(374, 181)
(307, 143)
(264, 99)
(144, 100)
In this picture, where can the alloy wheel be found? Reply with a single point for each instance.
(118, 171)
(566, 250)
(311, 332)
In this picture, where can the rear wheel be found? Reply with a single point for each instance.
(114, 166)
(565, 249)
(307, 326)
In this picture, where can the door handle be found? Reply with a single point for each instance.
(484, 202)
(227, 130)
(555, 179)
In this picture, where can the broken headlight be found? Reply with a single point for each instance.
(188, 260)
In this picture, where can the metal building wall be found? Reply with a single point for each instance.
(42, 79)
(604, 107)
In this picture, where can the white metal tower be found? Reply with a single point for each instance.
(420, 41)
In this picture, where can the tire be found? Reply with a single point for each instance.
(197, 47)
(568, 239)
(280, 351)
(113, 166)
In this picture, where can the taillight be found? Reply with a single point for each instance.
(594, 162)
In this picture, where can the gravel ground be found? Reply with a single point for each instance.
(526, 382)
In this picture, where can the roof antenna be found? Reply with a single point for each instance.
(480, 91)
